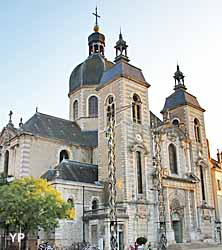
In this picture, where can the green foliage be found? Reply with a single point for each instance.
(141, 240)
(31, 204)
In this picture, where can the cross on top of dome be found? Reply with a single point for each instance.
(96, 27)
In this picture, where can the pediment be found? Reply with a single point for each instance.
(6, 134)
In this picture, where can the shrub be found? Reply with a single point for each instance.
(141, 240)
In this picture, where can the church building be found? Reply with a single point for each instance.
(74, 155)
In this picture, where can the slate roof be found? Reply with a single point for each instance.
(154, 120)
(89, 72)
(56, 128)
(123, 69)
(215, 163)
(73, 171)
(180, 97)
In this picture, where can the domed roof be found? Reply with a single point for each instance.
(89, 72)
(95, 37)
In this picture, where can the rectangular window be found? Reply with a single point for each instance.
(202, 183)
(139, 172)
(218, 185)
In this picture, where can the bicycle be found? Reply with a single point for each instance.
(45, 246)
(90, 247)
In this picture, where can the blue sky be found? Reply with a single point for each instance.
(42, 41)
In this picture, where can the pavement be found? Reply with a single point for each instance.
(210, 248)
(193, 247)
(218, 247)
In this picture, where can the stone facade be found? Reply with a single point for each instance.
(216, 176)
(36, 148)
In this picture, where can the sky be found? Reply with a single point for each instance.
(42, 41)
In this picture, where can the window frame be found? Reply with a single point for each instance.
(136, 109)
(112, 107)
(6, 162)
(219, 185)
(197, 132)
(202, 184)
(75, 110)
(68, 155)
(93, 108)
(139, 172)
(172, 154)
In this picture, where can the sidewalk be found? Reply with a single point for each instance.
(210, 248)
(194, 247)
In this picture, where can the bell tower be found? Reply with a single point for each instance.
(96, 40)
(121, 49)
(183, 110)
(123, 92)
(84, 80)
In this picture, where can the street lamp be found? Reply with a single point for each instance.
(158, 183)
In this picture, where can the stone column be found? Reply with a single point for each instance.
(25, 157)
(170, 232)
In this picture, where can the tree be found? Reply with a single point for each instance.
(141, 240)
(29, 204)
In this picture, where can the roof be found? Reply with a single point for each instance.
(216, 164)
(123, 69)
(180, 97)
(73, 171)
(56, 128)
(89, 72)
(96, 37)
(11, 131)
(155, 121)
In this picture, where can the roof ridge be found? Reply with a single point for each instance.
(190, 94)
(58, 118)
(89, 164)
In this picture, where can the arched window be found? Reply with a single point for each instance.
(173, 159)
(202, 183)
(96, 48)
(93, 106)
(101, 50)
(75, 110)
(6, 163)
(139, 172)
(176, 122)
(71, 202)
(136, 108)
(63, 155)
(110, 109)
(72, 211)
(197, 130)
(90, 49)
(94, 204)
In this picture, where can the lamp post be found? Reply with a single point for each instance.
(159, 175)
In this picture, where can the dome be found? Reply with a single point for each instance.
(95, 37)
(89, 72)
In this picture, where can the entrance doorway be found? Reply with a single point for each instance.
(177, 227)
(120, 237)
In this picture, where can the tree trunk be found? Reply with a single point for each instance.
(24, 242)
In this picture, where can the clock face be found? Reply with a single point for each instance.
(139, 138)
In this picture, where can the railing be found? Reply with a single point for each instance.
(103, 211)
